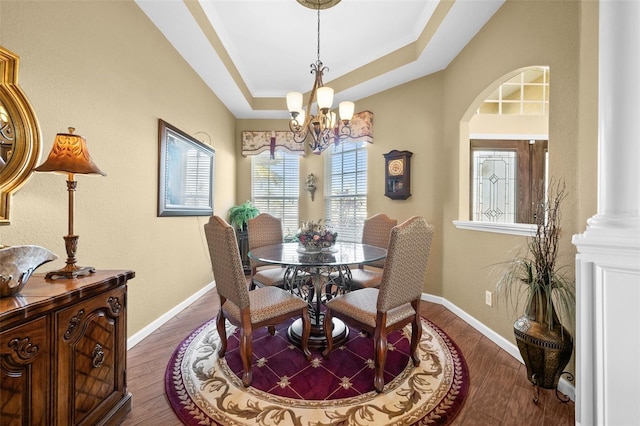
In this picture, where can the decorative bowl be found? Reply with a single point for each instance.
(315, 247)
(17, 263)
(313, 237)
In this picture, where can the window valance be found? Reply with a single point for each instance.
(255, 142)
(362, 127)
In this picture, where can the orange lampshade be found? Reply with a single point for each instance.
(70, 154)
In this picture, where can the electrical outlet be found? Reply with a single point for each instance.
(488, 298)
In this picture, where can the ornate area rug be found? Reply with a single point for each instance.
(289, 390)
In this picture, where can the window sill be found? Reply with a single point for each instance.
(523, 229)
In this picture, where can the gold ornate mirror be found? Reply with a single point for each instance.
(20, 140)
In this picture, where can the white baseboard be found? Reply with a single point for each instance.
(157, 323)
(564, 385)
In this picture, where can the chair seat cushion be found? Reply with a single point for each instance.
(365, 278)
(269, 277)
(267, 303)
(361, 306)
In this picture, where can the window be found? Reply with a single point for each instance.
(275, 185)
(506, 175)
(507, 138)
(346, 189)
(527, 93)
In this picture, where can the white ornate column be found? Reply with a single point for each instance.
(608, 260)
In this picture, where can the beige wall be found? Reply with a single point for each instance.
(509, 124)
(103, 68)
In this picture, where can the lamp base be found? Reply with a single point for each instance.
(70, 271)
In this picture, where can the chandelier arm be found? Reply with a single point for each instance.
(294, 126)
(344, 132)
(312, 98)
(328, 138)
(317, 133)
(301, 135)
(325, 120)
(317, 69)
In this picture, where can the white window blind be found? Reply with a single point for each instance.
(346, 189)
(275, 187)
(197, 191)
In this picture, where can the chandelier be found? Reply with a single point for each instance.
(324, 127)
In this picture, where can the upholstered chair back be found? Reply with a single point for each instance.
(376, 231)
(263, 230)
(225, 262)
(406, 264)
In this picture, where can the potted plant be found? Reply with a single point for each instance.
(238, 217)
(240, 214)
(536, 278)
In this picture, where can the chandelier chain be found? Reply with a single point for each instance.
(318, 31)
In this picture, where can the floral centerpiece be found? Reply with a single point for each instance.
(314, 236)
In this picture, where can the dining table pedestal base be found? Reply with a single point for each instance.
(317, 340)
(317, 278)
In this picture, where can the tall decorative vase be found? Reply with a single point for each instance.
(545, 351)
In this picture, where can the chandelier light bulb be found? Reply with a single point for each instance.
(294, 101)
(325, 98)
(346, 109)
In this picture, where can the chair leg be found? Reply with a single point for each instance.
(380, 358)
(328, 333)
(416, 335)
(252, 284)
(306, 332)
(246, 352)
(222, 332)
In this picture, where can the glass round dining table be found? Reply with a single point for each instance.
(317, 277)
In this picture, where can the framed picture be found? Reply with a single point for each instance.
(185, 174)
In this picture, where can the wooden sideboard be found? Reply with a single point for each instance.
(63, 351)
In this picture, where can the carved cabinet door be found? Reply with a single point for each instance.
(24, 374)
(90, 360)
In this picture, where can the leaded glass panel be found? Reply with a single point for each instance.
(494, 186)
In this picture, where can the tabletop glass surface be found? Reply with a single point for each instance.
(340, 254)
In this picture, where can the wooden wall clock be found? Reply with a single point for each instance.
(397, 174)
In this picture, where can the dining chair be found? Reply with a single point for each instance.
(396, 303)
(247, 310)
(265, 230)
(375, 232)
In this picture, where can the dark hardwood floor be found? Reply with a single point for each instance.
(499, 392)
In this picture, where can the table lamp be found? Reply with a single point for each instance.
(69, 155)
